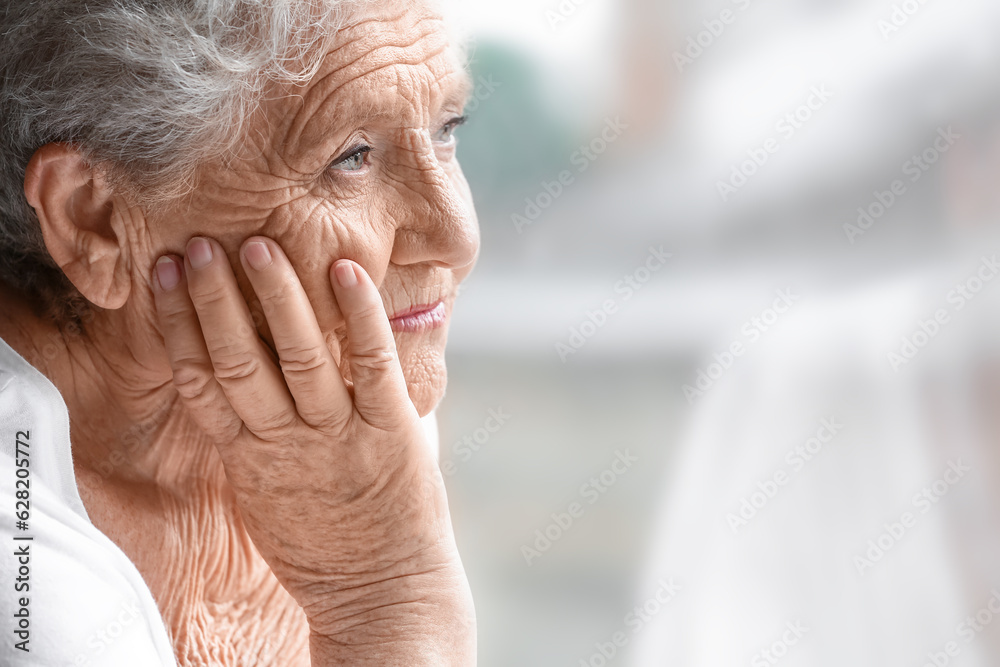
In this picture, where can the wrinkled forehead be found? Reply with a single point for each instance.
(395, 64)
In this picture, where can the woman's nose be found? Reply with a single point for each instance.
(435, 220)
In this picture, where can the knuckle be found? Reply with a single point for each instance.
(276, 427)
(235, 367)
(333, 422)
(384, 417)
(276, 296)
(173, 307)
(302, 360)
(378, 360)
(207, 293)
(372, 318)
(192, 380)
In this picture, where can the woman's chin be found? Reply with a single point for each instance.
(425, 395)
(425, 407)
(422, 357)
(426, 380)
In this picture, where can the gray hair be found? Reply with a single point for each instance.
(145, 89)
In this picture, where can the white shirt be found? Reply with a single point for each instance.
(87, 605)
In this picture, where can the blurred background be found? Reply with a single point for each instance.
(842, 153)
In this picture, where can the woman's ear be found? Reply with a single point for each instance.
(79, 223)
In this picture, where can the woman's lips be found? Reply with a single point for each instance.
(420, 318)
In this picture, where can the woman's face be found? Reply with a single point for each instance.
(359, 164)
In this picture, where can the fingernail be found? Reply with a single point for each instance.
(258, 255)
(345, 274)
(199, 252)
(168, 274)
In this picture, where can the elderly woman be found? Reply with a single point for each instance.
(232, 234)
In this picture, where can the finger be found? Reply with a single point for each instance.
(380, 395)
(242, 365)
(309, 369)
(194, 376)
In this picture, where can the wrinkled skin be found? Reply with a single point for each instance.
(282, 519)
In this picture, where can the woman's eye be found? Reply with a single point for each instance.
(447, 133)
(354, 161)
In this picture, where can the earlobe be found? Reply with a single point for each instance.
(83, 231)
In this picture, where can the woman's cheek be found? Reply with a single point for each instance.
(314, 234)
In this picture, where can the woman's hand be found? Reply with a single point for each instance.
(336, 484)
